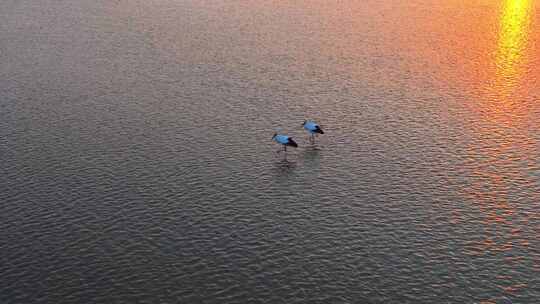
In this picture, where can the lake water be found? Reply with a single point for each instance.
(137, 164)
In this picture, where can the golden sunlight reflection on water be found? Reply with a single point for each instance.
(512, 47)
(501, 141)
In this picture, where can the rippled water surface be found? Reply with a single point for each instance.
(138, 167)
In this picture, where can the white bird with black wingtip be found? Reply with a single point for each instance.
(313, 128)
(285, 141)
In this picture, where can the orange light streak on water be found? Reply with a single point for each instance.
(512, 51)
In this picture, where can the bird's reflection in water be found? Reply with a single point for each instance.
(311, 156)
(285, 165)
(283, 170)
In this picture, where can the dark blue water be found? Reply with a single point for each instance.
(137, 164)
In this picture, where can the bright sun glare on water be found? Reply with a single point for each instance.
(512, 45)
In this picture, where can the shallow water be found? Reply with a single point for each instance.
(138, 166)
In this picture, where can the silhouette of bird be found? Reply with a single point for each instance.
(285, 141)
(313, 128)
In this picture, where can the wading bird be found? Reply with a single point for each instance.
(313, 128)
(285, 141)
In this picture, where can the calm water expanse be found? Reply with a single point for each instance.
(137, 164)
